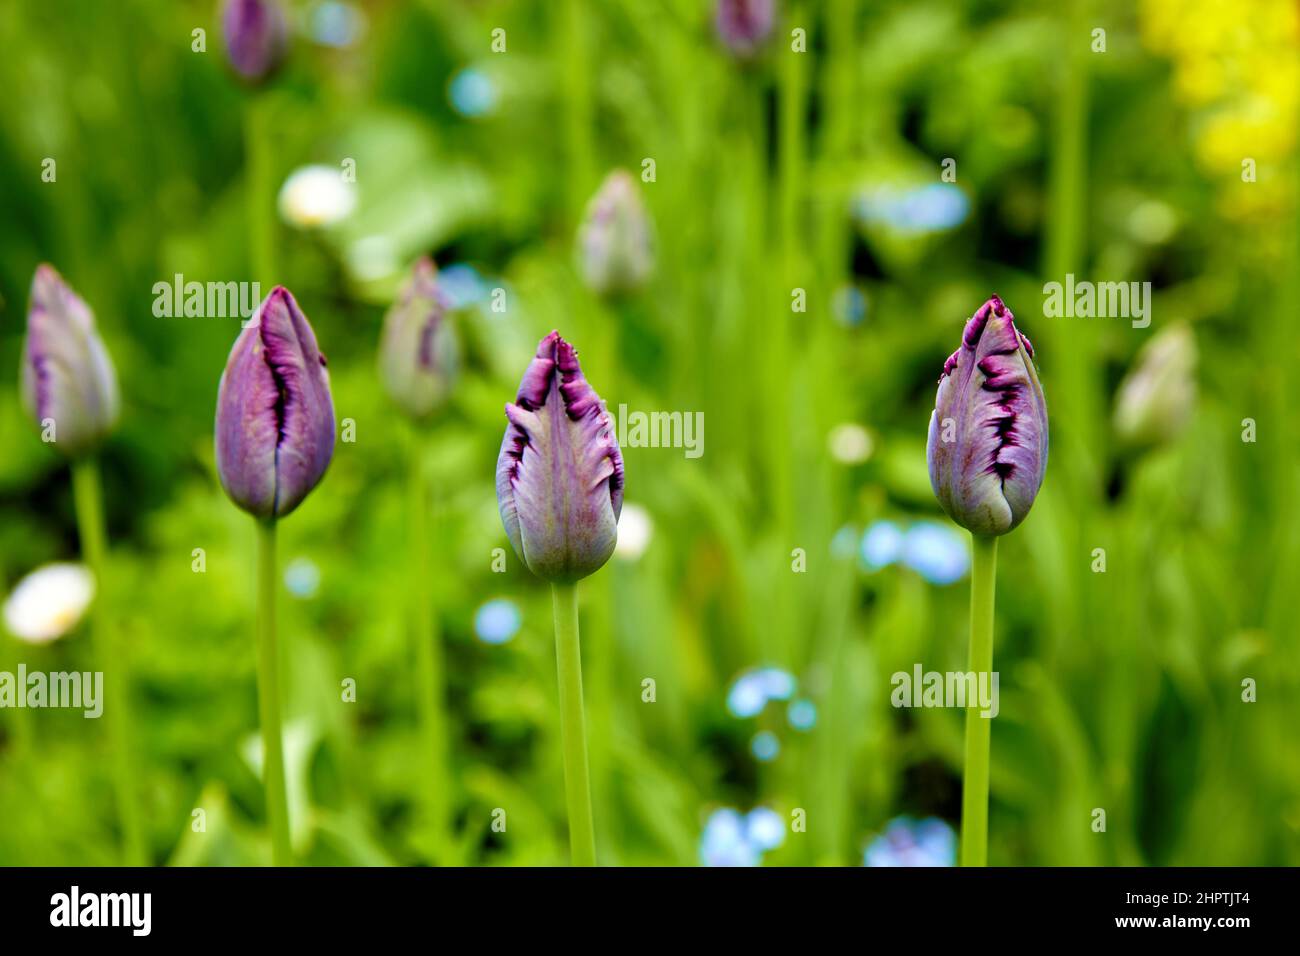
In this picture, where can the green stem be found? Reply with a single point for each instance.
(268, 697)
(573, 727)
(90, 526)
(258, 157)
(571, 26)
(20, 721)
(428, 662)
(791, 184)
(975, 785)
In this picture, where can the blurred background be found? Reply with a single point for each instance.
(808, 268)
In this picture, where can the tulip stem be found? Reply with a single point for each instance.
(573, 727)
(268, 697)
(975, 786)
(88, 502)
(259, 170)
(428, 657)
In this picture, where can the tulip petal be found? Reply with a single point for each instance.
(275, 416)
(256, 35)
(67, 376)
(743, 25)
(560, 471)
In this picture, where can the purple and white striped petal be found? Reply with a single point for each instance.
(560, 471)
(987, 445)
(67, 378)
(275, 416)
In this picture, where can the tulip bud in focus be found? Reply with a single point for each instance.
(68, 383)
(560, 471)
(1156, 398)
(418, 355)
(744, 25)
(987, 446)
(615, 247)
(257, 36)
(275, 417)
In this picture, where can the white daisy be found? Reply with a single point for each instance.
(316, 196)
(635, 528)
(49, 602)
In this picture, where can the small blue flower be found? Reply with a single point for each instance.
(462, 285)
(936, 551)
(777, 684)
(765, 747)
(849, 306)
(765, 828)
(472, 93)
(336, 24)
(909, 842)
(751, 691)
(845, 542)
(302, 578)
(746, 697)
(915, 210)
(725, 840)
(882, 545)
(802, 714)
(497, 621)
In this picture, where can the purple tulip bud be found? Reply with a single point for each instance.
(744, 25)
(987, 448)
(418, 355)
(275, 418)
(560, 472)
(615, 248)
(256, 34)
(68, 383)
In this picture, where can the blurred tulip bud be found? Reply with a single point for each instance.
(418, 355)
(615, 250)
(987, 447)
(68, 383)
(560, 472)
(745, 25)
(1157, 396)
(275, 418)
(256, 34)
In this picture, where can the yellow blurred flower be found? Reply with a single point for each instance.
(1239, 73)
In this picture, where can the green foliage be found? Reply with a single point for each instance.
(1121, 690)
